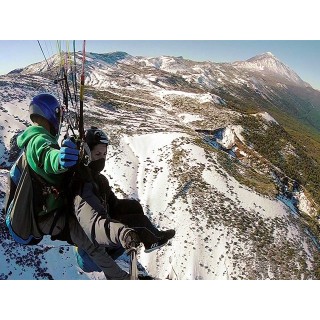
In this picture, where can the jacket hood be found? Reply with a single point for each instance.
(29, 133)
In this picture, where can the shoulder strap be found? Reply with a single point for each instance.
(14, 176)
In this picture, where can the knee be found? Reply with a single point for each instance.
(128, 206)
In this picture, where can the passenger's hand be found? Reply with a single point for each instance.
(69, 154)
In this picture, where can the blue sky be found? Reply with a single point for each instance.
(302, 56)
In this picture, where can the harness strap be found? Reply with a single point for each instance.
(57, 215)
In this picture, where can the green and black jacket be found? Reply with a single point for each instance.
(42, 153)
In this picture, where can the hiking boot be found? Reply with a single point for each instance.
(163, 238)
(168, 234)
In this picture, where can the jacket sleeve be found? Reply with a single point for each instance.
(46, 155)
(94, 219)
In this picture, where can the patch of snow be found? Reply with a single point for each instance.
(229, 135)
(228, 138)
(241, 152)
(237, 129)
(187, 118)
(266, 116)
(201, 97)
(304, 204)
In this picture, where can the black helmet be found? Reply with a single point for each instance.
(94, 136)
(48, 107)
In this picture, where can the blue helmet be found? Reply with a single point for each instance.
(48, 107)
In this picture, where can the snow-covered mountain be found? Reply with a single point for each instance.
(183, 148)
(268, 63)
(262, 82)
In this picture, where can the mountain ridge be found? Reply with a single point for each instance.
(120, 56)
(262, 87)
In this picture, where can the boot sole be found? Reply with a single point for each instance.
(155, 248)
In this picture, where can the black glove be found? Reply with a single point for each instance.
(130, 239)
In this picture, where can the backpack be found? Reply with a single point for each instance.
(19, 204)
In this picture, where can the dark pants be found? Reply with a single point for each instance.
(130, 213)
